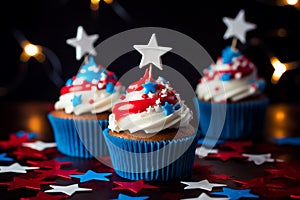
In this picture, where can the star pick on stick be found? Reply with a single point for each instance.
(16, 168)
(132, 186)
(83, 43)
(19, 182)
(91, 175)
(237, 28)
(204, 184)
(236, 194)
(68, 189)
(39, 145)
(204, 196)
(151, 52)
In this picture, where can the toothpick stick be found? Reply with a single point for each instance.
(234, 42)
(150, 71)
(86, 59)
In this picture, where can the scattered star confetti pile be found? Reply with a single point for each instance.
(34, 169)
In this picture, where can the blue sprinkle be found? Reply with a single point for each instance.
(177, 106)
(76, 100)
(149, 87)
(228, 54)
(226, 77)
(69, 82)
(110, 88)
(168, 108)
(261, 85)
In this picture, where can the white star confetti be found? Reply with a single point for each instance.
(83, 43)
(69, 189)
(237, 27)
(204, 196)
(16, 168)
(202, 151)
(204, 184)
(259, 159)
(39, 145)
(151, 53)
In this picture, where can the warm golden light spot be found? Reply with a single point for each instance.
(279, 67)
(31, 50)
(34, 124)
(292, 2)
(280, 116)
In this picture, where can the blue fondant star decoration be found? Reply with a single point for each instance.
(235, 194)
(89, 71)
(4, 158)
(110, 88)
(126, 197)
(76, 100)
(168, 108)
(91, 175)
(287, 141)
(149, 87)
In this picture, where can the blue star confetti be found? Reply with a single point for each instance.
(110, 88)
(236, 194)
(4, 158)
(76, 100)
(168, 108)
(287, 141)
(149, 87)
(125, 197)
(30, 135)
(91, 175)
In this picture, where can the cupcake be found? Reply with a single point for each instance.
(82, 111)
(232, 86)
(149, 135)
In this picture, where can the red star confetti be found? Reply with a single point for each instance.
(258, 182)
(295, 196)
(13, 142)
(276, 193)
(132, 186)
(26, 153)
(42, 195)
(286, 171)
(57, 173)
(238, 146)
(222, 177)
(50, 164)
(19, 182)
(172, 196)
(226, 155)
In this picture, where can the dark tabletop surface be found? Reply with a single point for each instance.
(282, 120)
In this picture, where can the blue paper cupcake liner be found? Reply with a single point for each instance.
(152, 161)
(243, 120)
(79, 138)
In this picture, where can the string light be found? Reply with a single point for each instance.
(279, 67)
(95, 4)
(31, 50)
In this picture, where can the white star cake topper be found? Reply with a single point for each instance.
(237, 27)
(83, 43)
(151, 53)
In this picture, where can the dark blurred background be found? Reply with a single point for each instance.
(50, 23)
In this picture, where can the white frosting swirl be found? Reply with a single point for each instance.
(154, 118)
(234, 80)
